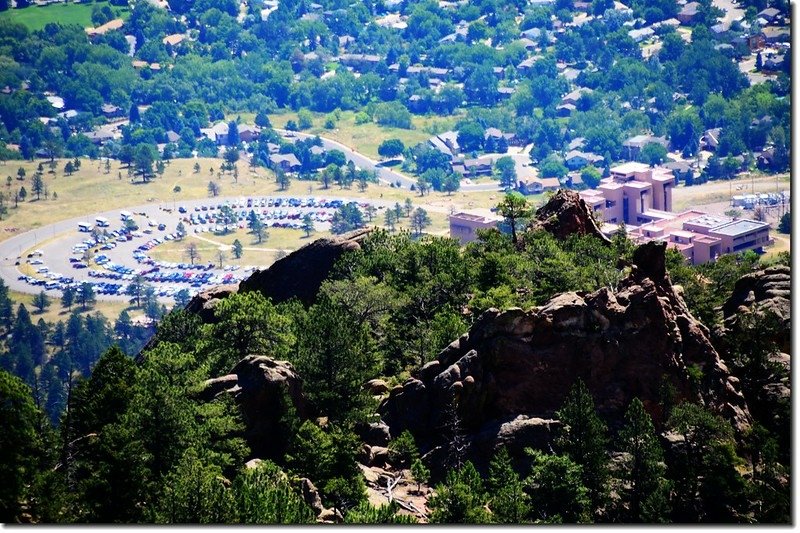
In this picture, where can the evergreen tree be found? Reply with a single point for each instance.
(67, 297)
(237, 248)
(41, 301)
(460, 499)
(643, 469)
(584, 439)
(509, 503)
(20, 444)
(557, 492)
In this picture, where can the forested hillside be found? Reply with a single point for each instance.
(156, 441)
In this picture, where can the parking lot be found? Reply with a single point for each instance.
(108, 252)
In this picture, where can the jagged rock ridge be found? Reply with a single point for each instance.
(517, 366)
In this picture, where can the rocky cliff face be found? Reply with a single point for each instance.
(565, 214)
(767, 290)
(768, 392)
(513, 369)
(262, 387)
(299, 274)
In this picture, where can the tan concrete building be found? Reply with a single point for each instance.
(464, 226)
(634, 194)
(701, 237)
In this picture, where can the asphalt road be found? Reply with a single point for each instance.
(385, 174)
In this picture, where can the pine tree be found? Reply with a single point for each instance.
(583, 438)
(643, 470)
(509, 503)
(41, 301)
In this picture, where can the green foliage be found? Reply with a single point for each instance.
(785, 224)
(514, 208)
(403, 450)
(19, 442)
(420, 472)
(509, 502)
(556, 489)
(460, 499)
(583, 438)
(707, 486)
(328, 457)
(643, 469)
(247, 323)
(385, 514)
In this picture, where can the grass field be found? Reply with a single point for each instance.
(262, 255)
(36, 18)
(365, 138)
(55, 312)
(91, 190)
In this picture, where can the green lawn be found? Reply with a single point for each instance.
(36, 18)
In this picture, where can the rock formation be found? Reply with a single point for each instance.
(517, 363)
(565, 214)
(261, 386)
(768, 392)
(299, 274)
(767, 290)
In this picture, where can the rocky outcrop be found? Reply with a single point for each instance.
(565, 214)
(203, 303)
(301, 273)
(765, 291)
(623, 345)
(262, 387)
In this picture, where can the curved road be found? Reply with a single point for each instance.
(11, 249)
(385, 174)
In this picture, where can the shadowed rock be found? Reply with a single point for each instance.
(565, 214)
(623, 345)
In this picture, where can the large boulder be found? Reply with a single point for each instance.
(565, 214)
(624, 345)
(301, 273)
(765, 292)
(203, 304)
(262, 387)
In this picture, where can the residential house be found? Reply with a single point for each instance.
(634, 145)
(565, 110)
(641, 34)
(504, 93)
(99, 136)
(576, 144)
(576, 159)
(360, 62)
(173, 40)
(172, 136)
(771, 15)
(773, 63)
(481, 166)
(710, 139)
(538, 185)
(111, 25)
(285, 162)
(574, 96)
(111, 111)
(249, 133)
(688, 13)
(682, 170)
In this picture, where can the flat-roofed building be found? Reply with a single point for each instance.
(702, 237)
(464, 225)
